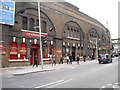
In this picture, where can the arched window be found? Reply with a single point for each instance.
(31, 25)
(24, 23)
(37, 24)
(44, 27)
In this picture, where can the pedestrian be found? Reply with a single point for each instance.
(84, 57)
(35, 61)
(78, 58)
(70, 59)
(92, 57)
(67, 58)
(52, 58)
(61, 59)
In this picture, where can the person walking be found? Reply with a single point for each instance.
(35, 61)
(67, 58)
(61, 59)
(70, 59)
(84, 57)
(52, 58)
(78, 58)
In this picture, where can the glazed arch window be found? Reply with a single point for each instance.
(24, 23)
(43, 26)
(37, 24)
(31, 25)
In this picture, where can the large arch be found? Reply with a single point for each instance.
(74, 25)
(93, 34)
(51, 29)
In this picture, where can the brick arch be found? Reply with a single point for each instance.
(72, 23)
(23, 11)
(93, 33)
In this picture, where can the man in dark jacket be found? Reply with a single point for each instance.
(70, 59)
(35, 61)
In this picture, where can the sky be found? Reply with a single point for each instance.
(102, 10)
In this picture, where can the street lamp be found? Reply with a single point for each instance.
(41, 55)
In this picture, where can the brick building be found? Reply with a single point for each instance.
(65, 31)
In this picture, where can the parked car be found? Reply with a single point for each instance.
(104, 58)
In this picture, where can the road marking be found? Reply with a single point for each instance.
(60, 83)
(49, 84)
(103, 87)
(109, 85)
(116, 86)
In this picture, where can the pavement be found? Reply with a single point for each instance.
(21, 70)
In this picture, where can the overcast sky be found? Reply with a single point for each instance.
(101, 10)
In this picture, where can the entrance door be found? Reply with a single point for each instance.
(34, 53)
(73, 53)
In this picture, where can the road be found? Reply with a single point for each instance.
(92, 75)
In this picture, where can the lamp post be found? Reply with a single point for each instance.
(41, 55)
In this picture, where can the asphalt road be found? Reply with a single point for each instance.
(92, 75)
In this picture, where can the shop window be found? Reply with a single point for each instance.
(24, 23)
(31, 25)
(44, 27)
(13, 50)
(23, 51)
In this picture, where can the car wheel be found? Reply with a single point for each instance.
(99, 62)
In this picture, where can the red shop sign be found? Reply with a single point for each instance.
(33, 34)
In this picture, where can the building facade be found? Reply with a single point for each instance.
(65, 31)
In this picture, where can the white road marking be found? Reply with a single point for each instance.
(116, 86)
(103, 87)
(60, 83)
(109, 85)
(49, 84)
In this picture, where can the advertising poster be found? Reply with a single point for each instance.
(7, 11)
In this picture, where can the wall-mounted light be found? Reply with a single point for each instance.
(14, 39)
(30, 40)
(23, 40)
(51, 29)
(35, 41)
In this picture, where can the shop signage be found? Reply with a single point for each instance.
(33, 34)
(7, 11)
(59, 51)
